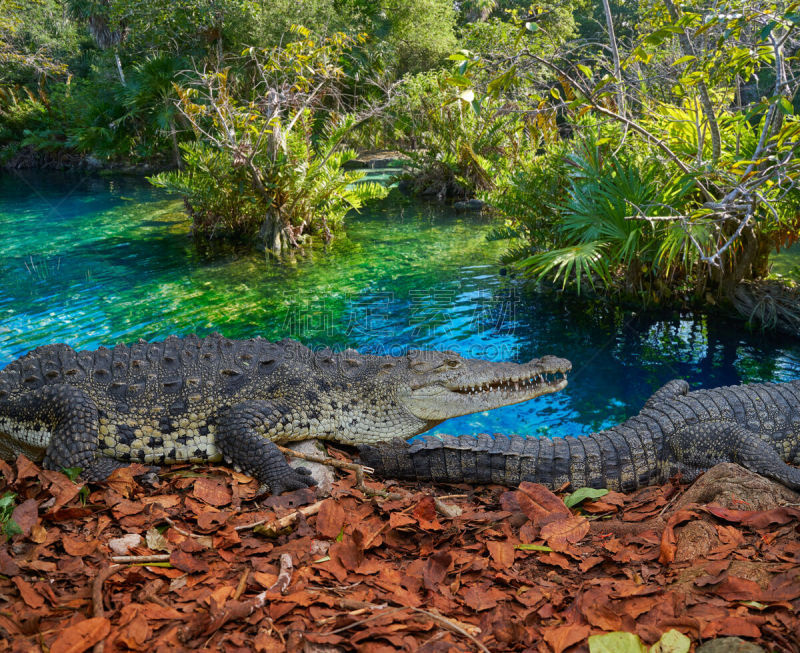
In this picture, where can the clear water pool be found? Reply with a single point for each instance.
(93, 260)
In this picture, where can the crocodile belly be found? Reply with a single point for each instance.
(143, 443)
(23, 437)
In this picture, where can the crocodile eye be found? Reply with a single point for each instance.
(453, 363)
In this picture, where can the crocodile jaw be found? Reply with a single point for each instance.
(487, 387)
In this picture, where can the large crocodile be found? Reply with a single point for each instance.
(209, 399)
(756, 425)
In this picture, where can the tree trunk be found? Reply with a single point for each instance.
(119, 67)
(615, 55)
(273, 235)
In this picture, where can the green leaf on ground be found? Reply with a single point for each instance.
(616, 643)
(583, 493)
(533, 547)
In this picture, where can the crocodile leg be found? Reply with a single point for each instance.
(61, 422)
(703, 445)
(670, 390)
(243, 437)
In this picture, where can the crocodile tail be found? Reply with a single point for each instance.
(599, 460)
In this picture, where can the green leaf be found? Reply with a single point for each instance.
(533, 547)
(766, 30)
(11, 528)
(585, 70)
(476, 107)
(583, 493)
(71, 473)
(459, 80)
(531, 27)
(616, 643)
(554, 92)
(786, 106)
(672, 641)
(7, 502)
(688, 57)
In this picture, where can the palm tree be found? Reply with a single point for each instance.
(96, 15)
(150, 96)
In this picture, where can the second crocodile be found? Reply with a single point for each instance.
(756, 426)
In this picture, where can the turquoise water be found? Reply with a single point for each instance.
(91, 260)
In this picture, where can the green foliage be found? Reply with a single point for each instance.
(71, 473)
(34, 38)
(8, 526)
(420, 33)
(603, 236)
(694, 185)
(528, 200)
(271, 166)
(457, 146)
(404, 35)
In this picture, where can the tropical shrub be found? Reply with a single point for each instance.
(270, 166)
(528, 198)
(603, 235)
(455, 145)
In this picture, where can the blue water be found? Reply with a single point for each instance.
(92, 260)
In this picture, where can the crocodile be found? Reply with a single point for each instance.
(200, 399)
(677, 431)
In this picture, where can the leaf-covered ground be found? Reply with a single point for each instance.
(426, 569)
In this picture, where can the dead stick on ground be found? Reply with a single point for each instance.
(452, 625)
(435, 616)
(97, 597)
(360, 622)
(181, 530)
(285, 575)
(240, 588)
(353, 467)
(156, 557)
(277, 525)
(333, 462)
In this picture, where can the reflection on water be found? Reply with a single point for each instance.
(92, 261)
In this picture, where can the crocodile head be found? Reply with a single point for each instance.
(435, 386)
(358, 398)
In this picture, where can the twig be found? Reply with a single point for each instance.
(452, 625)
(435, 616)
(242, 584)
(360, 611)
(285, 575)
(353, 467)
(97, 598)
(181, 530)
(372, 537)
(156, 557)
(278, 525)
